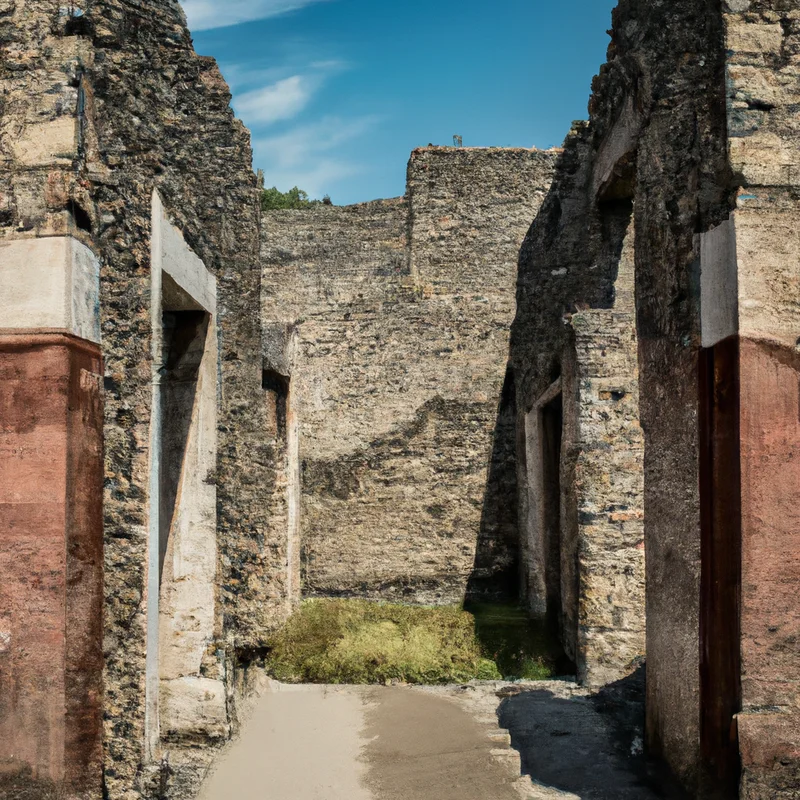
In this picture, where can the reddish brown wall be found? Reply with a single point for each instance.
(770, 431)
(51, 461)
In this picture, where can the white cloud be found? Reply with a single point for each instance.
(206, 14)
(282, 100)
(306, 155)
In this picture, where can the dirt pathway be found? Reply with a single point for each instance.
(557, 742)
(359, 743)
(423, 747)
(300, 743)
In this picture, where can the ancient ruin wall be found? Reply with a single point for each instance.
(763, 91)
(579, 452)
(701, 99)
(400, 312)
(100, 108)
(658, 115)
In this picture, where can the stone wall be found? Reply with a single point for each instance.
(763, 89)
(102, 105)
(691, 118)
(400, 312)
(580, 472)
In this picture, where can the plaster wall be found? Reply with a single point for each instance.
(50, 565)
(52, 282)
(184, 623)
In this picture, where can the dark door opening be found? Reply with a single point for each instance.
(276, 387)
(551, 427)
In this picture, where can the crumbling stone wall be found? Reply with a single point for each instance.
(573, 343)
(401, 310)
(762, 42)
(691, 119)
(101, 106)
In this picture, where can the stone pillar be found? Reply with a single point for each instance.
(51, 528)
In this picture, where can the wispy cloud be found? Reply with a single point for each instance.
(281, 96)
(306, 155)
(296, 146)
(206, 14)
(282, 100)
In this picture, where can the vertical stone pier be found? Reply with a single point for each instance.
(51, 527)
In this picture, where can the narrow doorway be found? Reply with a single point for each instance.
(551, 425)
(283, 425)
(544, 425)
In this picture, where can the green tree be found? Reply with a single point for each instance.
(272, 199)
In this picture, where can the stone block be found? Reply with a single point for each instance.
(754, 37)
(193, 708)
(47, 143)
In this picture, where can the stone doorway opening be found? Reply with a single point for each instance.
(544, 426)
(185, 701)
(185, 333)
(551, 426)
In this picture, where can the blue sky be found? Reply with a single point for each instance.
(338, 92)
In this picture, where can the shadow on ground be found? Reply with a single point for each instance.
(588, 746)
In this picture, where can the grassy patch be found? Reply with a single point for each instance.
(520, 647)
(355, 641)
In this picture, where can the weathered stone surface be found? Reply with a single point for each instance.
(400, 310)
(51, 566)
(98, 111)
(580, 508)
(694, 116)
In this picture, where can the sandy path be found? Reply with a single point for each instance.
(423, 747)
(300, 743)
(358, 743)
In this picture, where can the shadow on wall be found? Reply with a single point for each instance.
(495, 572)
(588, 745)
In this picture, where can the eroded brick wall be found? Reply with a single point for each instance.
(401, 311)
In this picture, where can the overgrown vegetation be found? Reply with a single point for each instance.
(356, 641)
(522, 648)
(273, 199)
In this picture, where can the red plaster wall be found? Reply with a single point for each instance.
(770, 441)
(51, 462)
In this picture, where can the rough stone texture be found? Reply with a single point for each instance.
(51, 563)
(581, 526)
(770, 527)
(763, 89)
(98, 110)
(657, 127)
(694, 117)
(400, 309)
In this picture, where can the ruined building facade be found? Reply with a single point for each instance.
(206, 411)
(688, 169)
(139, 560)
(578, 440)
(397, 315)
